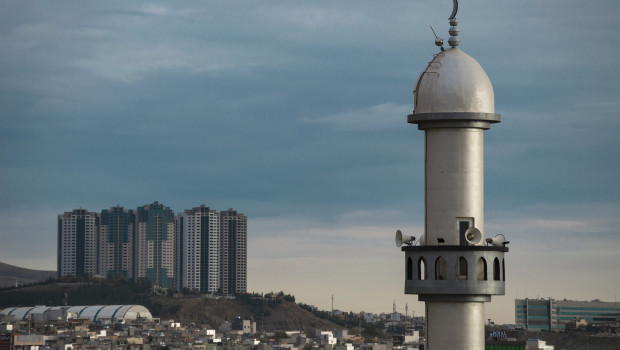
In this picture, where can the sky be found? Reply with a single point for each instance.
(294, 113)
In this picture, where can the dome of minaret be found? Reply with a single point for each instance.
(453, 82)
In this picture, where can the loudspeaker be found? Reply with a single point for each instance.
(400, 239)
(473, 236)
(498, 241)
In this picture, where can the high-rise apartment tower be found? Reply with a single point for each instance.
(155, 245)
(77, 243)
(116, 241)
(233, 252)
(199, 249)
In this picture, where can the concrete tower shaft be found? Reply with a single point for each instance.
(454, 184)
(455, 325)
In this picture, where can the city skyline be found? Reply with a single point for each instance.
(296, 114)
(197, 249)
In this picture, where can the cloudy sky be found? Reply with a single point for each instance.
(294, 113)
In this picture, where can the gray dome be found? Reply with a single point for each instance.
(453, 82)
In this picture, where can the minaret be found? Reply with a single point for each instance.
(450, 267)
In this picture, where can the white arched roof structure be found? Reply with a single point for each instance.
(93, 312)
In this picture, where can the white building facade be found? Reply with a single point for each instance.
(77, 243)
(199, 249)
(233, 252)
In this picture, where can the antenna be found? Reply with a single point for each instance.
(438, 40)
(64, 310)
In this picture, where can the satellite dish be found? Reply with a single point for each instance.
(473, 236)
(400, 239)
(498, 241)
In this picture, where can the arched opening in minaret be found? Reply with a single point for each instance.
(440, 268)
(496, 271)
(481, 270)
(409, 269)
(461, 268)
(503, 270)
(422, 271)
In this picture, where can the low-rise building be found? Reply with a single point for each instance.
(550, 314)
(537, 344)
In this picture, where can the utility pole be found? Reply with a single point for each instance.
(64, 311)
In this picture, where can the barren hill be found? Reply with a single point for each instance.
(9, 274)
(269, 316)
(275, 314)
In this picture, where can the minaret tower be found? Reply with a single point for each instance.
(450, 267)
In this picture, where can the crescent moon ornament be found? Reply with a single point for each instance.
(454, 30)
(455, 9)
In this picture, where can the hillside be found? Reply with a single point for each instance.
(269, 314)
(9, 274)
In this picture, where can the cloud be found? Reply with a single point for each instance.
(383, 116)
(312, 16)
(156, 9)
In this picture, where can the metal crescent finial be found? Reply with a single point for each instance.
(455, 9)
(454, 30)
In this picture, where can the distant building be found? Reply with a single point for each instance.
(411, 337)
(373, 347)
(537, 344)
(233, 252)
(341, 333)
(551, 314)
(346, 346)
(245, 326)
(576, 324)
(370, 318)
(199, 249)
(77, 243)
(155, 245)
(505, 345)
(326, 338)
(116, 238)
